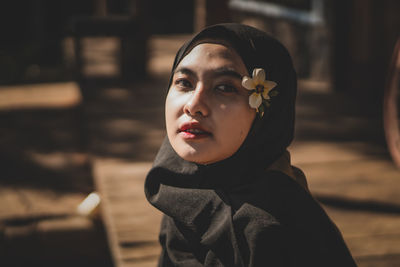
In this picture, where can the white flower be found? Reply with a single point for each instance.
(259, 85)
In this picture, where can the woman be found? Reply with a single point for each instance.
(223, 177)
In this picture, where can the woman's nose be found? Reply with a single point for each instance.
(198, 103)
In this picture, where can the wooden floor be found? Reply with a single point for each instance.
(361, 196)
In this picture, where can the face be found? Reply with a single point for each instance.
(207, 110)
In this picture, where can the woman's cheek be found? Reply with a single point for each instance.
(176, 102)
(170, 105)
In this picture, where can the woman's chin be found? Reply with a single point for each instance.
(201, 152)
(203, 157)
(196, 156)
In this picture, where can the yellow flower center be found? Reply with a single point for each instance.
(259, 88)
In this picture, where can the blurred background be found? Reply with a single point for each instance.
(82, 88)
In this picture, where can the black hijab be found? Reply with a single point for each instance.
(245, 210)
(269, 136)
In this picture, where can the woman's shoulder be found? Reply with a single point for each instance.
(282, 198)
(288, 206)
(273, 187)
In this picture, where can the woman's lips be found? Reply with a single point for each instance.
(193, 130)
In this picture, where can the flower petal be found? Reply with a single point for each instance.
(258, 76)
(269, 84)
(248, 83)
(265, 93)
(255, 100)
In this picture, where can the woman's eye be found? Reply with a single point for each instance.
(183, 83)
(226, 88)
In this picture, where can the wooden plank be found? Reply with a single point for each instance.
(132, 224)
(369, 235)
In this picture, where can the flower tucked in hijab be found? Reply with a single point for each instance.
(261, 89)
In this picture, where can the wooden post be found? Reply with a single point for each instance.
(199, 15)
(100, 8)
(209, 12)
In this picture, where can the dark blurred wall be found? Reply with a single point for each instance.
(31, 34)
(296, 4)
(365, 32)
(170, 16)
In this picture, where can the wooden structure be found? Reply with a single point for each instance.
(131, 35)
(131, 223)
(209, 12)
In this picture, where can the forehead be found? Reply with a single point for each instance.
(209, 55)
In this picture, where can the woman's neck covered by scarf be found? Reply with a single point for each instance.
(269, 136)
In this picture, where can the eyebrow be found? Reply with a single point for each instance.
(185, 71)
(222, 71)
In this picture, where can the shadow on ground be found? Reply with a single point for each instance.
(42, 148)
